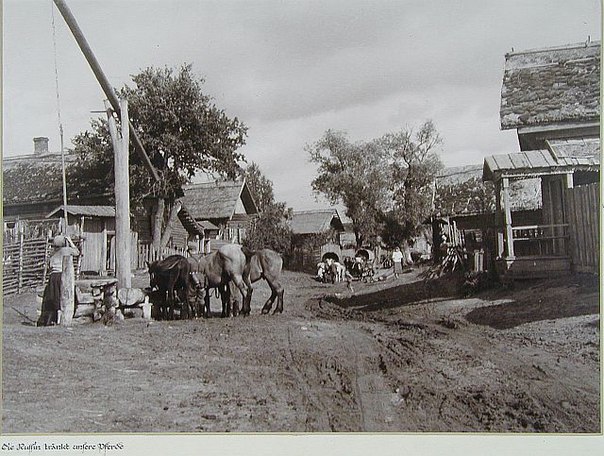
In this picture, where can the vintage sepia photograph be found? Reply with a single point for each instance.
(300, 217)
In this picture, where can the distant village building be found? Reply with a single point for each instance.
(315, 233)
(224, 208)
(552, 98)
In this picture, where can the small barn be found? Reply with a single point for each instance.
(552, 98)
(315, 233)
(95, 226)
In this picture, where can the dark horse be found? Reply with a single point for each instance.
(170, 275)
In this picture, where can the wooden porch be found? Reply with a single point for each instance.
(566, 239)
(538, 251)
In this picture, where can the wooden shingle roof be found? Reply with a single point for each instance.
(315, 222)
(218, 200)
(553, 85)
(561, 157)
(89, 211)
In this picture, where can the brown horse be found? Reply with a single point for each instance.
(265, 264)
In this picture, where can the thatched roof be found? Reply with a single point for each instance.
(315, 222)
(33, 178)
(218, 200)
(553, 85)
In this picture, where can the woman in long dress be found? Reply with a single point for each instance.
(397, 260)
(51, 300)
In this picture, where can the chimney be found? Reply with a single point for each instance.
(40, 146)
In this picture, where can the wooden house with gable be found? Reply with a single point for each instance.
(315, 233)
(552, 98)
(223, 208)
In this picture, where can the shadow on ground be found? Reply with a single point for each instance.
(402, 295)
(546, 300)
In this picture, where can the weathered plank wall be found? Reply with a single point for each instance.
(582, 215)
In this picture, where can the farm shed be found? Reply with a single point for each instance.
(314, 234)
(223, 208)
(95, 225)
(552, 98)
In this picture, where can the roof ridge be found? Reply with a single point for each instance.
(314, 211)
(583, 44)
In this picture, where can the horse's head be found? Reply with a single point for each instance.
(153, 276)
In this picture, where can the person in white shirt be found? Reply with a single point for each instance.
(397, 259)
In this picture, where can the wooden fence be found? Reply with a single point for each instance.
(24, 264)
(582, 215)
(145, 253)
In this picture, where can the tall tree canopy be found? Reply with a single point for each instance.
(352, 174)
(415, 164)
(270, 229)
(386, 184)
(183, 131)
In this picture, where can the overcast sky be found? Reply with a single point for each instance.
(290, 69)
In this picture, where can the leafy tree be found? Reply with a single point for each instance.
(415, 164)
(183, 131)
(354, 174)
(270, 229)
(260, 186)
(385, 184)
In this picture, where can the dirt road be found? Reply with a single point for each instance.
(396, 356)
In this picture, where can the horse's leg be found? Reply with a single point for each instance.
(269, 303)
(225, 297)
(246, 293)
(280, 292)
(185, 313)
(171, 304)
(206, 308)
(234, 302)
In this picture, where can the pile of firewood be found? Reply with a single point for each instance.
(454, 260)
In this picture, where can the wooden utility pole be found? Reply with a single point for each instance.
(122, 196)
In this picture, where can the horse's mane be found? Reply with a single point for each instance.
(168, 263)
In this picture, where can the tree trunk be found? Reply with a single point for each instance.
(158, 218)
(174, 210)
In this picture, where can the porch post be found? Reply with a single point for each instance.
(498, 219)
(507, 215)
(570, 182)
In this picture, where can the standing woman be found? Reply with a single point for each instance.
(51, 301)
(397, 260)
